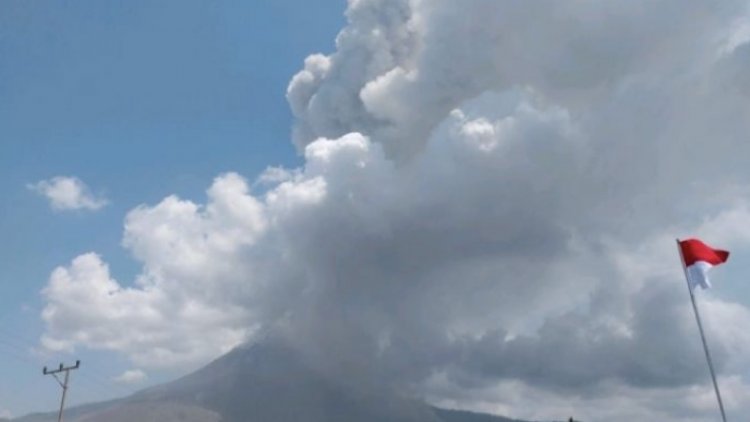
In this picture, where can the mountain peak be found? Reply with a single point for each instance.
(265, 381)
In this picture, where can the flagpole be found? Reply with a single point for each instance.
(703, 335)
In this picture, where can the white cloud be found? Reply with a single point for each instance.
(5, 413)
(68, 193)
(132, 376)
(184, 306)
(490, 195)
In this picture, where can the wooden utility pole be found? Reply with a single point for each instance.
(63, 383)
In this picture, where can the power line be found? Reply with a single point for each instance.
(93, 379)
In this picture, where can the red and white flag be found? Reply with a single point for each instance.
(698, 259)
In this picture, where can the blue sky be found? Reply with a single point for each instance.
(140, 100)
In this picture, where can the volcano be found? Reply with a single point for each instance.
(262, 382)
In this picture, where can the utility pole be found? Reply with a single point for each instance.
(63, 383)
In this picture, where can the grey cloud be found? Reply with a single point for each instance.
(579, 350)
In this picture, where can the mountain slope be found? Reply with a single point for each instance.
(264, 382)
(446, 415)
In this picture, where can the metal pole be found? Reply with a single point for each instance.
(703, 335)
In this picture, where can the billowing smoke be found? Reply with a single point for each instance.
(485, 217)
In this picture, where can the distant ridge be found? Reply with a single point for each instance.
(464, 416)
(265, 382)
